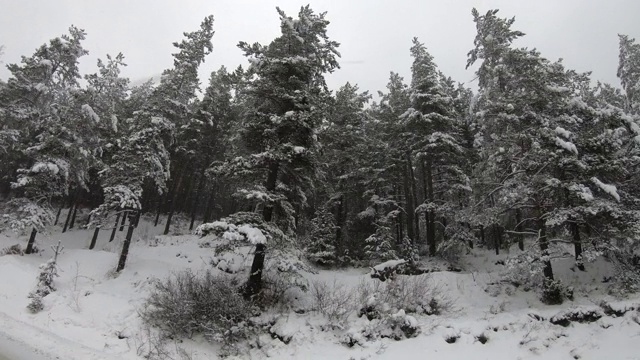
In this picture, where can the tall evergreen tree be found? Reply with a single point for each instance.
(286, 101)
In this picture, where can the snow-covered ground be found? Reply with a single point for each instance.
(93, 314)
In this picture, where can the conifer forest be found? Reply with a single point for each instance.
(259, 210)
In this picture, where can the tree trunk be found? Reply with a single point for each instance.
(172, 205)
(519, 229)
(66, 223)
(497, 237)
(124, 220)
(115, 228)
(482, 235)
(254, 284)
(209, 206)
(544, 247)
(94, 238)
(73, 217)
(339, 225)
(414, 198)
(32, 240)
(577, 245)
(408, 200)
(58, 214)
(431, 229)
(194, 204)
(125, 249)
(158, 210)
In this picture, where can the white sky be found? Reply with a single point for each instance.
(375, 35)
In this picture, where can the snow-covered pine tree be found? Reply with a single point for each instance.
(322, 239)
(433, 134)
(343, 138)
(285, 103)
(53, 135)
(385, 158)
(629, 72)
(525, 140)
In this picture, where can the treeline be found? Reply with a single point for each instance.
(539, 153)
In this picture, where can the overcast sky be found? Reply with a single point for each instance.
(375, 35)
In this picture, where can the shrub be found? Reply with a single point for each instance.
(334, 301)
(554, 292)
(186, 304)
(413, 294)
(48, 271)
(12, 250)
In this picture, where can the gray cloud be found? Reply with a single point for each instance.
(375, 35)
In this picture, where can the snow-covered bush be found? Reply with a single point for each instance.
(555, 293)
(525, 270)
(48, 271)
(334, 301)
(397, 326)
(12, 250)
(413, 294)
(186, 304)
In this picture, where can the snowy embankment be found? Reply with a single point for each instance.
(93, 314)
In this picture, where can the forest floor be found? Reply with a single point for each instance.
(93, 314)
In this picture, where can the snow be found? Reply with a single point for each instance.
(50, 167)
(567, 145)
(388, 264)
(93, 314)
(562, 132)
(582, 191)
(114, 123)
(298, 149)
(88, 110)
(254, 235)
(609, 189)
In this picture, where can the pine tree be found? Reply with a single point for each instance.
(52, 134)
(322, 239)
(434, 136)
(286, 101)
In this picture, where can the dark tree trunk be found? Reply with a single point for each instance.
(124, 220)
(431, 229)
(158, 210)
(94, 238)
(577, 245)
(339, 225)
(32, 240)
(408, 200)
(115, 228)
(66, 223)
(58, 214)
(209, 207)
(414, 198)
(172, 205)
(254, 284)
(497, 237)
(544, 247)
(400, 228)
(482, 235)
(73, 217)
(125, 249)
(194, 204)
(519, 230)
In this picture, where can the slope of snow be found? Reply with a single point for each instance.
(93, 314)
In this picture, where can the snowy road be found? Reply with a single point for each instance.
(11, 349)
